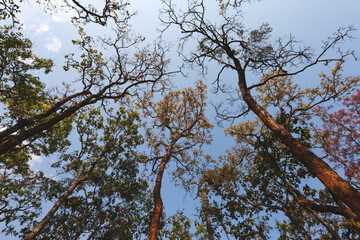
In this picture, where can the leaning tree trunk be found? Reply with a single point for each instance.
(64, 196)
(53, 210)
(332, 181)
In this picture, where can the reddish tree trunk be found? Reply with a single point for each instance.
(155, 221)
(337, 185)
(332, 181)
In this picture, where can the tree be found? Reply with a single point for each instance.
(37, 121)
(101, 195)
(178, 125)
(102, 78)
(235, 48)
(24, 95)
(84, 13)
(260, 177)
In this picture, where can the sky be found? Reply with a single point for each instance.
(308, 20)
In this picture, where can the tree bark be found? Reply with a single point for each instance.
(205, 209)
(155, 221)
(336, 185)
(64, 196)
(15, 140)
(53, 210)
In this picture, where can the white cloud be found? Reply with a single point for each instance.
(27, 60)
(54, 45)
(42, 28)
(38, 29)
(60, 18)
(52, 177)
(35, 160)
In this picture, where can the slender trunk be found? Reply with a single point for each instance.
(205, 209)
(56, 206)
(65, 195)
(225, 230)
(78, 232)
(155, 221)
(336, 185)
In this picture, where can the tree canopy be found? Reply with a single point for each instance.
(123, 128)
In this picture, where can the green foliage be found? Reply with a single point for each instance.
(110, 201)
(24, 97)
(22, 93)
(20, 199)
(179, 227)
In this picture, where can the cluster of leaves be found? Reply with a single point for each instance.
(180, 119)
(24, 95)
(340, 136)
(179, 227)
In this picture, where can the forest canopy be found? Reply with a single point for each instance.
(121, 127)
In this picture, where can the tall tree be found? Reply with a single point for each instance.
(235, 48)
(101, 78)
(101, 197)
(37, 121)
(261, 177)
(178, 126)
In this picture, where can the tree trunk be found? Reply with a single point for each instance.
(205, 209)
(337, 185)
(16, 140)
(65, 195)
(155, 221)
(53, 210)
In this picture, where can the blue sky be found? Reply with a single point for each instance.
(308, 20)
